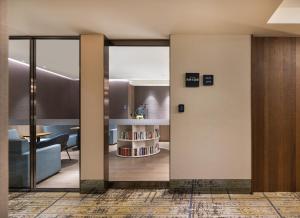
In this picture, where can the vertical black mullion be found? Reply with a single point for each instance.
(32, 111)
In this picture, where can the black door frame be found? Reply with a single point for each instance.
(32, 93)
(32, 108)
(142, 43)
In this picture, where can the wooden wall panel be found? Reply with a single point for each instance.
(297, 114)
(3, 111)
(273, 114)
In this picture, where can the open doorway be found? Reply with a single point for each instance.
(139, 130)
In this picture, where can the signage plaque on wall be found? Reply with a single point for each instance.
(208, 80)
(192, 79)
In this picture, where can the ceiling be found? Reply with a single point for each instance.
(287, 13)
(140, 19)
(144, 18)
(139, 65)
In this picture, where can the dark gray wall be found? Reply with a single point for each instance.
(57, 97)
(18, 91)
(118, 99)
(156, 98)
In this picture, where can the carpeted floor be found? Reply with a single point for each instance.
(153, 203)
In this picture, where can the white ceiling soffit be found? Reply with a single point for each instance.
(287, 13)
(139, 65)
(136, 19)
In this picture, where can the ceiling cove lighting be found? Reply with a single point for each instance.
(42, 69)
(288, 12)
(149, 82)
(119, 80)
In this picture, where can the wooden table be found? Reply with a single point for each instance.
(39, 135)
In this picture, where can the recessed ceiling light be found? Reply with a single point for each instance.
(41, 69)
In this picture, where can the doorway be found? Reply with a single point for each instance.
(139, 96)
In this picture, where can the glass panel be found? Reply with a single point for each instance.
(57, 110)
(18, 133)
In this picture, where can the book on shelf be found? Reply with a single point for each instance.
(125, 150)
(125, 135)
(149, 135)
(139, 135)
(145, 135)
(135, 152)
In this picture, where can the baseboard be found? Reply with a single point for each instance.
(139, 184)
(217, 186)
(92, 186)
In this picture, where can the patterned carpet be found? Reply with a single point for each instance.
(153, 203)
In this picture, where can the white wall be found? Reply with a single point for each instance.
(212, 138)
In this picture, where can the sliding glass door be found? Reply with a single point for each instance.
(44, 113)
(57, 113)
(19, 129)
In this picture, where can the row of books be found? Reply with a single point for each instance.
(125, 135)
(142, 135)
(127, 150)
(138, 135)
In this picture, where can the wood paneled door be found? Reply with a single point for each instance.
(275, 114)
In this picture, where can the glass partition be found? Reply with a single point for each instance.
(18, 132)
(57, 113)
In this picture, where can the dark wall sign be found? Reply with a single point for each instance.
(192, 79)
(208, 80)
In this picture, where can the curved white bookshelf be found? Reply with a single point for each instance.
(138, 140)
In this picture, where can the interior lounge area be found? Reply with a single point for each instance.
(150, 108)
(56, 127)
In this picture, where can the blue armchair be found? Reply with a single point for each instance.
(48, 161)
(57, 130)
(63, 129)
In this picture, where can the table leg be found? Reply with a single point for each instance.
(78, 138)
